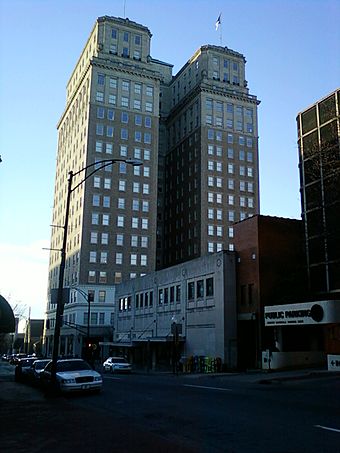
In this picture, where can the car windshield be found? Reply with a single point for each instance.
(73, 365)
(118, 360)
(40, 365)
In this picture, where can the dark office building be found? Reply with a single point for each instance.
(319, 162)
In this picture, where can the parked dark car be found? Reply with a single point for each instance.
(22, 368)
(35, 370)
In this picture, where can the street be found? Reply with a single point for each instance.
(209, 414)
(185, 413)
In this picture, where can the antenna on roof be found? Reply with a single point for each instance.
(124, 9)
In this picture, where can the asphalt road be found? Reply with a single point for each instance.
(227, 414)
(165, 413)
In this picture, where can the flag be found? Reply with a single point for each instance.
(218, 22)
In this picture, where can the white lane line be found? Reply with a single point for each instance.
(208, 388)
(113, 378)
(327, 428)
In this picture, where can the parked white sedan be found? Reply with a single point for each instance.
(117, 365)
(74, 375)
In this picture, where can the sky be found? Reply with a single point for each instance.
(292, 48)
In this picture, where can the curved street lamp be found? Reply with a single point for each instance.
(60, 304)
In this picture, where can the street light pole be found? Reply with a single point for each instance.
(60, 303)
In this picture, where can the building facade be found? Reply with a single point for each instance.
(211, 174)
(270, 271)
(319, 162)
(196, 134)
(182, 313)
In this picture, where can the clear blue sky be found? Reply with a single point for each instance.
(292, 49)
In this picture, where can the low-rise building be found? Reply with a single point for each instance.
(179, 314)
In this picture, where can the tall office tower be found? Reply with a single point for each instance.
(319, 161)
(112, 111)
(211, 175)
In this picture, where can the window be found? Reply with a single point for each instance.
(211, 230)
(230, 153)
(121, 203)
(147, 154)
(200, 288)
(124, 134)
(122, 168)
(101, 296)
(147, 137)
(242, 170)
(219, 136)
(147, 121)
(230, 199)
(135, 187)
(123, 150)
(143, 260)
(99, 129)
(146, 189)
(242, 202)
(210, 165)
(91, 277)
(95, 200)
(242, 154)
(113, 82)
(146, 171)
(219, 231)
(219, 151)
(137, 153)
(137, 104)
(100, 112)
(99, 147)
(209, 287)
(124, 117)
(95, 218)
(138, 136)
(119, 258)
(108, 148)
(148, 107)
(145, 224)
(144, 241)
(230, 138)
(94, 237)
(218, 182)
(249, 156)
(93, 257)
(134, 241)
(112, 99)
(113, 33)
(101, 318)
(242, 186)
(103, 257)
(230, 124)
(101, 79)
(211, 150)
(134, 222)
(138, 88)
(109, 131)
(210, 197)
(219, 214)
(250, 187)
(210, 247)
(100, 96)
(211, 135)
(231, 216)
(106, 219)
(149, 91)
(120, 239)
(133, 259)
(107, 183)
(231, 184)
(249, 142)
(120, 221)
(105, 239)
(96, 182)
(122, 185)
(219, 198)
(191, 290)
(124, 101)
(138, 120)
(249, 172)
(250, 202)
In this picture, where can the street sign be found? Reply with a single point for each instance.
(333, 362)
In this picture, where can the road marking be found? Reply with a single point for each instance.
(113, 378)
(208, 388)
(327, 428)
